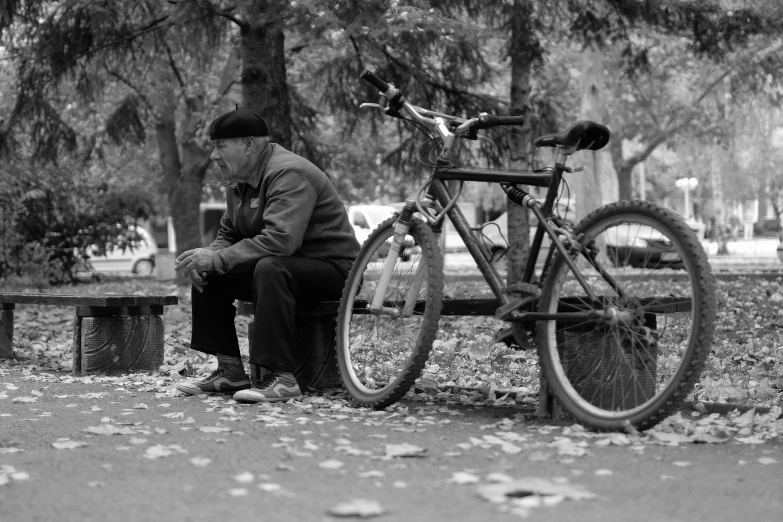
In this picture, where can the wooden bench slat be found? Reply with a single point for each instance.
(87, 300)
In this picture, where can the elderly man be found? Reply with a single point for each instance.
(284, 238)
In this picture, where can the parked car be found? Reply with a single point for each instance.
(641, 246)
(635, 245)
(138, 258)
(366, 218)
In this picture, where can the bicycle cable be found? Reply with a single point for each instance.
(485, 238)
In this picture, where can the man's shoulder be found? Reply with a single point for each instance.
(283, 160)
(282, 157)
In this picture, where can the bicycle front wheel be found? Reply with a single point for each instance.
(381, 354)
(651, 317)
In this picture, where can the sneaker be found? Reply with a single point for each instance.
(219, 381)
(274, 387)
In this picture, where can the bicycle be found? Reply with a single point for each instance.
(622, 315)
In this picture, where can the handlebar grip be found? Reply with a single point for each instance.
(485, 121)
(369, 76)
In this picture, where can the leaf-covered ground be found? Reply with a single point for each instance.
(457, 444)
(745, 366)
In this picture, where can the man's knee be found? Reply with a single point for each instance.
(270, 269)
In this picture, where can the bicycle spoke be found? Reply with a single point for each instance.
(380, 352)
(645, 278)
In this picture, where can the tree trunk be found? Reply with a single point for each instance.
(597, 184)
(522, 55)
(183, 172)
(625, 180)
(264, 82)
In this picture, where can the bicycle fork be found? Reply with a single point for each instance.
(401, 228)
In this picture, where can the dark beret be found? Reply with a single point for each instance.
(236, 124)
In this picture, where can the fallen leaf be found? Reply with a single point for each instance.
(69, 444)
(159, 451)
(404, 450)
(238, 492)
(538, 456)
(767, 460)
(214, 429)
(200, 461)
(499, 478)
(357, 508)
(331, 464)
(108, 429)
(371, 474)
(681, 463)
(566, 446)
(244, 477)
(520, 488)
(463, 477)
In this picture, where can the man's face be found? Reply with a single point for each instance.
(231, 155)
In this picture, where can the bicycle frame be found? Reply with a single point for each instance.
(438, 191)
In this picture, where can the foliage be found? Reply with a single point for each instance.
(50, 220)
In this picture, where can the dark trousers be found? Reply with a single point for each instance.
(275, 286)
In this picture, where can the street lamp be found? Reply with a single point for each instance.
(687, 184)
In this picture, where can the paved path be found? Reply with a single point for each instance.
(147, 454)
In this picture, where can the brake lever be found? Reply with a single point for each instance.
(486, 138)
(372, 106)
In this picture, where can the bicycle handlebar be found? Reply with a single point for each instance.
(486, 121)
(468, 127)
(369, 76)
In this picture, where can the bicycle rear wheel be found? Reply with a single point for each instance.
(643, 350)
(381, 355)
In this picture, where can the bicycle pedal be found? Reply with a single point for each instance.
(505, 335)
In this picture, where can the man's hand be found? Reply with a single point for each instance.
(199, 260)
(198, 281)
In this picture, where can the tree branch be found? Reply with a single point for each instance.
(226, 13)
(358, 52)
(445, 88)
(152, 26)
(127, 82)
(174, 67)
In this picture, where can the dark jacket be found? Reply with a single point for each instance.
(288, 207)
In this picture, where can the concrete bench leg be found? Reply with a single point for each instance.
(316, 361)
(7, 331)
(110, 341)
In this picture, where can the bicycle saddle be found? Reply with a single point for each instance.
(583, 134)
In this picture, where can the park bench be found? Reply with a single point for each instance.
(316, 325)
(316, 330)
(111, 333)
